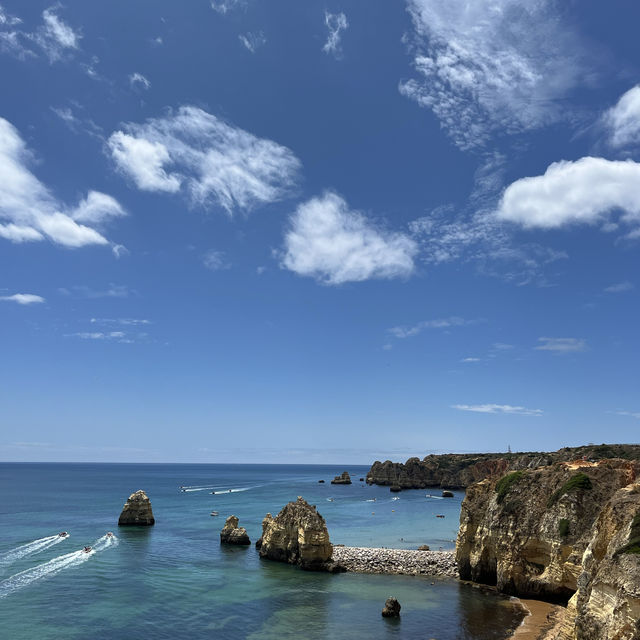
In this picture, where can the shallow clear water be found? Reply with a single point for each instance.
(174, 580)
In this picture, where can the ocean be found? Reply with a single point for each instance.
(174, 580)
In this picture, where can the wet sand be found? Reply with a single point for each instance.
(540, 618)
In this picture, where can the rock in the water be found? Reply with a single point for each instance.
(320, 481)
(423, 547)
(391, 608)
(395, 488)
(343, 478)
(137, 511)
(447, 494)
(233, 534)
(361, 479)
(297, 535)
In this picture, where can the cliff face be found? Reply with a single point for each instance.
(297, 535)
(556, 533)
(457, 471)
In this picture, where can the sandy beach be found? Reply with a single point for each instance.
(540, 618)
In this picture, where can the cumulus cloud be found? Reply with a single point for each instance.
(28, 210)
(498, 408)
(587, 191)
(334, 244)
(441, 323)
(23, 298)
(562, 345)
(491, 65)
(137, 80)
(622, 121)
(208, 160)
(336, 23)
(252, 41)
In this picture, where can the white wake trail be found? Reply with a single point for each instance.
(30, 548)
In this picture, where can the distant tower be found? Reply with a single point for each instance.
(509, 448)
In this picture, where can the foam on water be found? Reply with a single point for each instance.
(50, 568)
(28, 549)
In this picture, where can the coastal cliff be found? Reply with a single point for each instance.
(459, 470)
(567, 533)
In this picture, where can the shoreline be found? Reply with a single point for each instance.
(396, 561)
(540, 618)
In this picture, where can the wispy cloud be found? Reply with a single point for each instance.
(23, 298)
(127, 322)
(336, 23)
(210, 161)
(138, 81)
(55, 36)
(562, 345)
(215, 260)
(82, 291)
(225, 6)
(620, 287)
(492, 66)
(252, 41)
(470, 359)
(99, 335)
(30, 212)
(588, 191)
(630, 414)
(622, 121)
(498, 408)
(440, 323)
(335, 244)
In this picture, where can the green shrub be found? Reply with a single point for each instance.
(505, 483)
(563, 527)
(633, 546)
(578, 481)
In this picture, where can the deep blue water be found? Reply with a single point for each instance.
(174, 580)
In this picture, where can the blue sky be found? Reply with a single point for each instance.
(240, 231)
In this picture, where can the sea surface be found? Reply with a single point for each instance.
(175, 581)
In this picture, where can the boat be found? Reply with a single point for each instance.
(87, 549)
(396, 498)
(214, 513)
(63, 534)
(109, 534)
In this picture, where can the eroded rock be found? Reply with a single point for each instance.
(297, 535)
(137, 511)
(233, 534)
(343, 478)
(391, 608)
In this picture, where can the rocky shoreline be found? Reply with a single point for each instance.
(398, 561)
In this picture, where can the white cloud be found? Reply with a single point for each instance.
(55, 36)
(562, 345)
(620, 287)
(208, 160)
(224, 6)
(11, 39)
(470, 360)
(491, 65)
(28, 210)
(334, 244)
(138, 80)
(631, 414)
(128, 322)
(336, 23)
(253, 41)
(215, 260)
(622, 121)
(587, 191)
(100, 335)
(82, 291)
(498, 408)
(23, 298)
(441, 323)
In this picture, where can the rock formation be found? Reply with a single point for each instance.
(391, 608)
(563, 533)
(424, 547)
(297, 535)
(343, 478)
(233, 534)
(137, 511)
(457, 471)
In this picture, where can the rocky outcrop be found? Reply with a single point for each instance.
(391, 608)
(457, 471)
(297, 535)
(233, 534)
(447, 494)
(560, 533)
(137, 511)
(343, 478)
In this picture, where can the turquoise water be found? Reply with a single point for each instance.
(174, 580)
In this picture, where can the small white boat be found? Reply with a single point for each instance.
(214, 513)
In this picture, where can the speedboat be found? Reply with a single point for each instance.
(63, 534)
(109, 534)
(87, 550)
(396, 498)
(214, 513)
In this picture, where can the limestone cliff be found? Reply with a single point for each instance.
(297, 535)
(457, 471)
(137, 511)
(557, 533)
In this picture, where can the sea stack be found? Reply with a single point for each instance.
(233, 534)
(391, 608)
(343, 478)
(297, 535)
(137, 511)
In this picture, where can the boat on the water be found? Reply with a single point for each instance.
(214, 513)
(87, 549)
